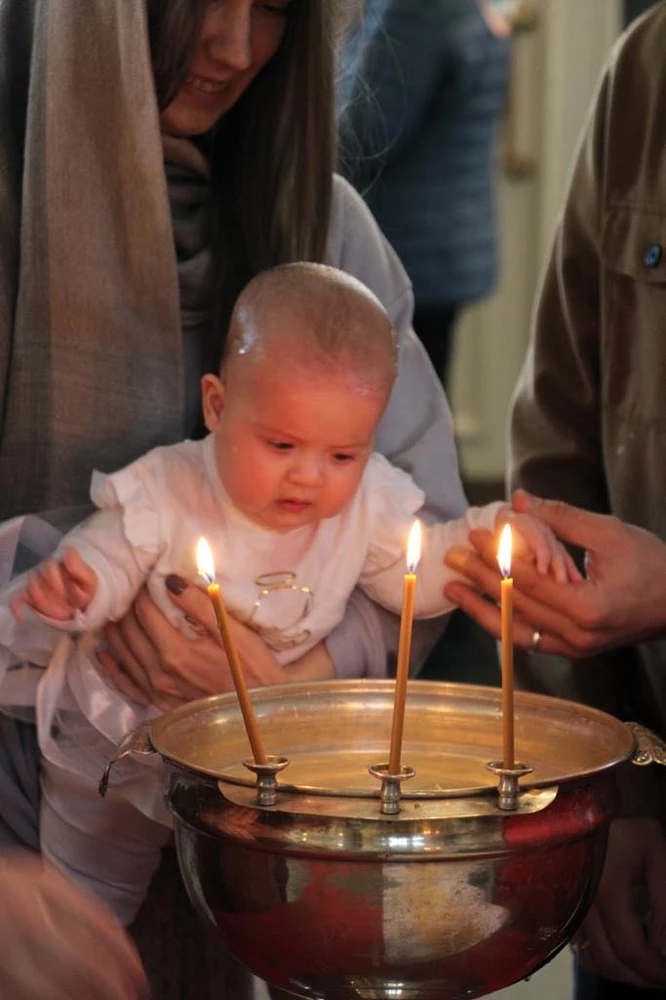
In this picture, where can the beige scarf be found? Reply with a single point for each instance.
(90, 332)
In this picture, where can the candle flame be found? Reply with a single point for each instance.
(205, 564)
(504, 551)
(414, 547)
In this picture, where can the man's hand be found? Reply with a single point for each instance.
(622, 601)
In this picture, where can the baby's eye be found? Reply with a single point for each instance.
(281, 445)
(342, 457)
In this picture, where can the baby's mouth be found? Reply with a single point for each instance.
(292, 503)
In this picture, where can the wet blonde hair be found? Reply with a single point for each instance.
(321, 316)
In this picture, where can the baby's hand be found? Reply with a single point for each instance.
(58, 589)
(534, 537)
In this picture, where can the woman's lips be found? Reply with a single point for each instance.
(205, 85)
(206, 93)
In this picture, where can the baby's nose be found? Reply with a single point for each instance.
(307, 470)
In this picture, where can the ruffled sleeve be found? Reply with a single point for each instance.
(124, 539)
(132, 490)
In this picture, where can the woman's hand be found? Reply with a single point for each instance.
(59, 942)
(622, 601)
(152, 662)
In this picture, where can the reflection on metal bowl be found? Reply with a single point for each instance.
(324, 896)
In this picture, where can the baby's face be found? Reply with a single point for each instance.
(292, 443)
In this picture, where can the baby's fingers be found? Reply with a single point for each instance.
(78, 597)
(80, 579)
(532, 540)
(77, 569)
(559, 568)
(574, 575)
(38, 596)
(17, 604)
(45, 593)
(542, 550)
(52, 581)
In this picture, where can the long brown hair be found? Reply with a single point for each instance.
(273, 154)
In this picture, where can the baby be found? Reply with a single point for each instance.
(299, 511)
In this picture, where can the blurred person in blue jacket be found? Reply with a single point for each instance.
(422, 87)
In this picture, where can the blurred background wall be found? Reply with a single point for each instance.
(558, 49)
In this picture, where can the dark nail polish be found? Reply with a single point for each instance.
(175, 584)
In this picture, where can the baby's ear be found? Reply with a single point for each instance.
(213, 391)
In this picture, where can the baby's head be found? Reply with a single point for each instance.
(308, 369)
(318, 317)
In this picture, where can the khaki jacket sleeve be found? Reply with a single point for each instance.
(555, 440)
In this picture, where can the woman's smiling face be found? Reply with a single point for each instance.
(238, 38)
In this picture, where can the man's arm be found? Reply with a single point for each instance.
(555, 439)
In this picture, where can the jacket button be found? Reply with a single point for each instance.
(652, 255)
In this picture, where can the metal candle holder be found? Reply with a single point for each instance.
(266, 775)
